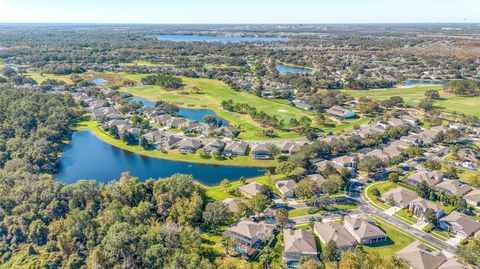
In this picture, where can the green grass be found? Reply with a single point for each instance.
(413, 95)
(298, 212)
(405, 214)
(219, 193)
(212, 93)
(40, 77)
(172, 154)
(382, 187)
(396, 240)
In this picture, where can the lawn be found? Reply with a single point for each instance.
(220, 193)
(172, 154)
(405, 214)
(297, 212)
(383, 187)
(40, 77)
(396, 240)
(413, 95)
(210, 95)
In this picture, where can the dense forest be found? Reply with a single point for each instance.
(169, 82)
(463, 87)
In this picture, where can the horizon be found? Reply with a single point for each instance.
(211, 12)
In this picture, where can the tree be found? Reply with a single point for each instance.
(432, 164)
(309, 263)
(285, 168)
(469, 250)
(376, 192)
(451, 172)
(330, 187)
(432, 94)
(305, 189)
(216, 213)
(225, 183)
(371, 164)
(413, 152)
(431, 217)
(393, 177)
(267, 191)
(426, 104)
(281, 217)
(331, 252)
(258, 203)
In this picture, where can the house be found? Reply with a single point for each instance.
(460, 224)
(217, 145)
(318, 179)
(235, 148)
(363, 229)
(413, 139)
(189, 126)
(153, 136)
(286, 187)
(451, 263)
(419, 206)
(438, 129)
(397, 123)
(382, 155)
(250, 189)
(302, 105)
(348, 162)
(393, 151)
(249, 235)
(163, 119)
(420, 256)
(175, 123)
(431, 178)
(400, 197)
(233, 203)
(168, 142)
(298, 244)
(188, 145)
(411, 120)
(134, 131)
(473, 198)
(261, 152)
(339, 112)
(453, 187)
(334, 231)
(227, 131)
(289, 147)
(458, 126)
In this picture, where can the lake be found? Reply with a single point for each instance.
(424, 82)
(188, 113)
(221, 39)
(100, 81)
(285, 69)
(88, 157)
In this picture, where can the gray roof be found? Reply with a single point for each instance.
(333, 231)
(400, 195)
(363, 227)
(298, 241)
(473, 195)
(420, 256)
(431, 178)
(454, 187)
(452, 264)
(251, 189)
(461, 222)
(249, 229)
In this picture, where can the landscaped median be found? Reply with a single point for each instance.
(172, 154)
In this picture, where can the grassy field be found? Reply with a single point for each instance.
(382, 187)
(396, 240)
(172, 154)
(413, 95)
(40, 77)
(211, 94)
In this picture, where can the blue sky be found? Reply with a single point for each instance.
(239, 11)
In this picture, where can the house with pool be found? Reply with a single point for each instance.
(249, 236)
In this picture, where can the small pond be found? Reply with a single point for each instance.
(285, 69)
(424, 82)
(100, 81)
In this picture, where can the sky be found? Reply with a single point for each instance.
(239, 11)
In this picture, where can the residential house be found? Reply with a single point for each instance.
(400, 197)
(453, 187)
(298, 244)
(458, 126)
(460, 224)
(412, 139)
(232, 204)
(216, 145)
(250, 189)
(249, 235)
(227, 131)
(397, 123)
(189, 145)
(189, 126)
(432, 178)
(235, 148)
(420, 256)
(286, 187)
(419, 206)
(261, 152)
(382, 155)
(175, 123)
(411, 120)
(363, 229)
(153, 137)
(289, 147)
(473, 198)
(348, 162)
(168, 142)
(451, 263)
(163, 119)
(334, 231)
(393, 151)
(339, 112)
(318, 179)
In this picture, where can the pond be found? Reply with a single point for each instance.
(285, 69)
(188, 113)
(424, 82)
(88, 157)
(221, 39)
(100, 81)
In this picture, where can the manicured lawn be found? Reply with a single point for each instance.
(173, 154)
(39, 78)
(211, 94)
(396, 240)
(405, 214)
(382, 187)
(219, 193)
(412, 96)
(297, 212)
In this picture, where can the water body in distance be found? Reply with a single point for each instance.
(221, 39)
(285, 69)
(88, 157)
(424, 82)
(100, 81)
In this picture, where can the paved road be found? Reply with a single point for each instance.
(367, 208)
